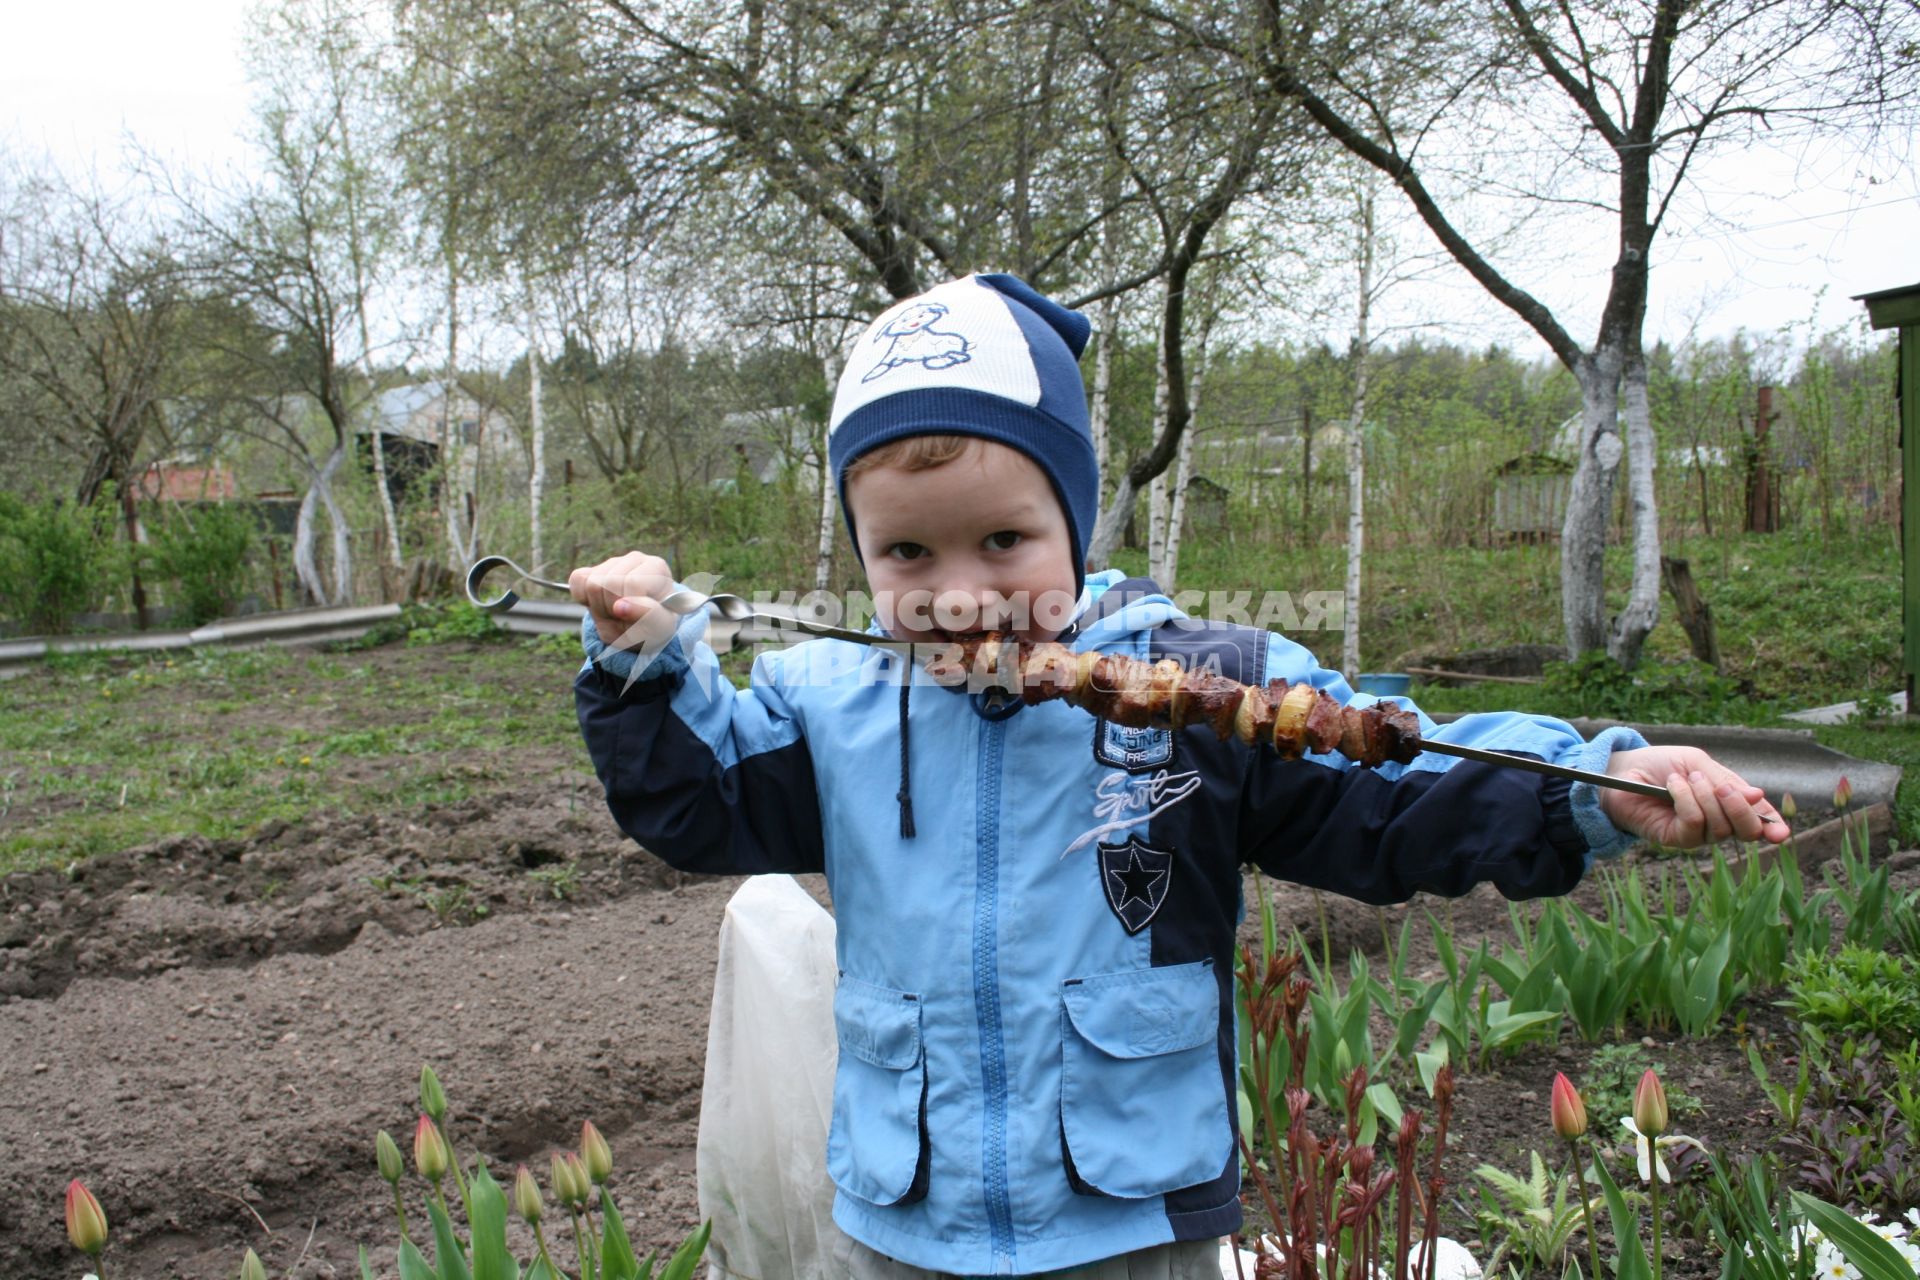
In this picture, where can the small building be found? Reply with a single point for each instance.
(411, 421)
(1530, 497)
(762, 444)
(1900, 309)
(180, 481)
(1206, 510)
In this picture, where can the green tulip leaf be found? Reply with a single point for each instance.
(491, 1260)
(616, 1253)
(412, 1265)
(450, 1257)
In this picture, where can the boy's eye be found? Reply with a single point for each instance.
(1005, 540)
(906, 551)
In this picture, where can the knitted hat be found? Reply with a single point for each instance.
(982, 356)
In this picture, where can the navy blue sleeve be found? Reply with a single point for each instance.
(707, 777)
(1439, 825)
(1358, 833)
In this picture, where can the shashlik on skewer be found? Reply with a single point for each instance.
(1292, 718)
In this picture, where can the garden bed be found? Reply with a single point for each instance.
(209, 1027)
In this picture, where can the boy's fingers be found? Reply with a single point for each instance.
(1718, 827)
(1689, 823)
(1741, 817)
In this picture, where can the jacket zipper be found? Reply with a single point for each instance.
(986, 997)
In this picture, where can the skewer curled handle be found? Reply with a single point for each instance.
(508, 598)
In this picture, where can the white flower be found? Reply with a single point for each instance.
(1647, 1153)
(1913, 1218)
(1828, 1264)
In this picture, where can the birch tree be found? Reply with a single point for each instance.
(1356, 441)
(1627, 97)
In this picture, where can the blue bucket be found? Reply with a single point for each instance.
(1382, 684)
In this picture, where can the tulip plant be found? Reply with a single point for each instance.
(603, 1254)
(1823, 1241)
(1332, 1206)
(579, 1182)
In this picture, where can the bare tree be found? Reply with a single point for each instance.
(92, 301)
(279, 249)
(1194, 140)
(1618, 103)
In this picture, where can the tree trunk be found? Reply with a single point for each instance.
(1696, 615)
(140, 619)
(319, 492)
(536, 427)
(1356, 449)
(829, 507)
(453, 493)
(1183, 474)
(1583, 535)
(342, 549)
(1103, 382)
(1112, 521)
(1643, 597)
(1177, 506)
(1306, 474)
(1157, 489)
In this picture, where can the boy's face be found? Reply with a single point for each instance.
(975, 545)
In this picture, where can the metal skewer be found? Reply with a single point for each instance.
(738, 609)
(1541, 766)
(682, 602)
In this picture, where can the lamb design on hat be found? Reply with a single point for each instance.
(912, 339)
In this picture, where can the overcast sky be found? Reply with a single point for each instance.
(1804, 232)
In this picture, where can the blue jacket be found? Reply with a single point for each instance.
(1035, 1010)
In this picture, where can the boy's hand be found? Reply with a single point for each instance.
(623, 596)
(1710, 801)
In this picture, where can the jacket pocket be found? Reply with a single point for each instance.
(1143, 1102)
(877, 1149)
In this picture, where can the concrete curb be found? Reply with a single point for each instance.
(1775, 760)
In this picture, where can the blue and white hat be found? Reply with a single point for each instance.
(983, 356)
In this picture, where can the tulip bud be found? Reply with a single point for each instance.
(1788, 809)
(433, 1099)
(1842, 793)
(1569, 1112)
(577, 1173)
(595, 1153)
(526, 1195)
(1650, 1105)
(86, 1220)
(562, 1178)
(430, 1151)
(386, 1154)
(251, 1268)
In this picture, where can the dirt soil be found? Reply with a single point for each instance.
(210, 1032)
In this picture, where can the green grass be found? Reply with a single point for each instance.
(99, 753)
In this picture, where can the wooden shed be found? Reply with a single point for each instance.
(1900, 309)
(1530, 497)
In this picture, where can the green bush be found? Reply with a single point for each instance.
(1654, 692)
(57, 560)
(203, 557)
(1857, 991)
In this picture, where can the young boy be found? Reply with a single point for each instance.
(1036, 909)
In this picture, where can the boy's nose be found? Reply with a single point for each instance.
(977, 608)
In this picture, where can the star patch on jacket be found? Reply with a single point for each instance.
(1135, 877)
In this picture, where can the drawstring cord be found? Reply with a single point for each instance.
(904, 796)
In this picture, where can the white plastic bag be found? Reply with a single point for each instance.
(767, 1099)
